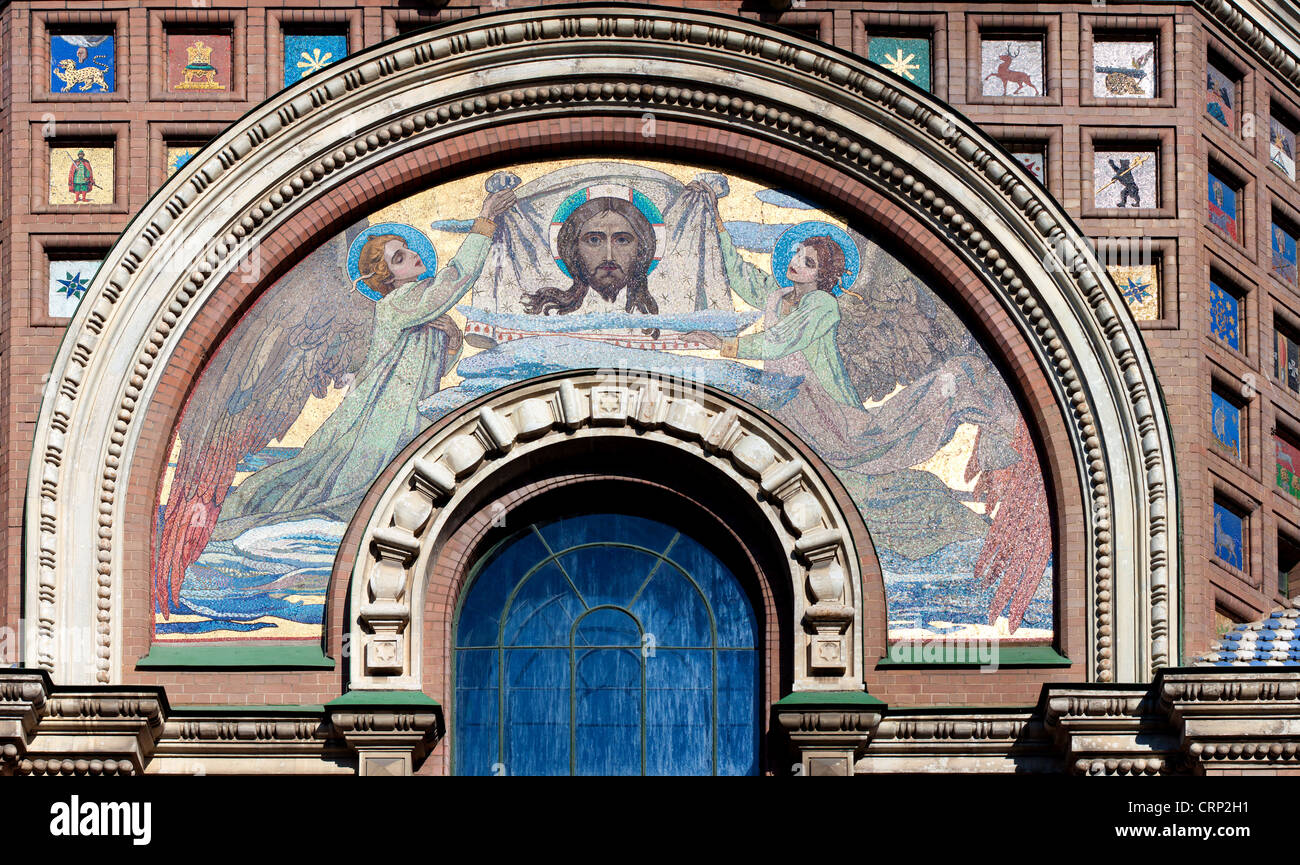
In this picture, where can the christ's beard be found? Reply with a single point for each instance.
(606, 289)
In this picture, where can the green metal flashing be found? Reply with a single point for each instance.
(828, 698)
(235, 657)
(383, 698)
(955, 655)
(285, 709)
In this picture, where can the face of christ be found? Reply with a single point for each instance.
(607, 251)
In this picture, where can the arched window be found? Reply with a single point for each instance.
(605, 644)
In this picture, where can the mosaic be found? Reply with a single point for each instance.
(1287, 457)
(82, 175)
(1220, 97)
(198, 62)
(1034, 160)
(1140, 286)
(1223, 207)
(1284, 261)
(82, 64)
(1225, 420)
(1281, 147)
(1124, 70)
(1227, 536)
(1125, 178)
(1225, 315)
(178, 155)
(1012, 67)
(308, 53)
(69, 280)
(1286, 360)
(459, 290)
(908, 58)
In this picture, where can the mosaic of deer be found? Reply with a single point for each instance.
(1009, 76)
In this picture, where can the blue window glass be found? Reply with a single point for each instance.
(605, 644)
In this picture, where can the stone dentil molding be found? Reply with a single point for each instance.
(622, 61)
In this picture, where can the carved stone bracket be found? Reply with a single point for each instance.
(46, 730)
(1111, 732)
(829, 732)
(1238, 720)
(389, 740)
(403, 530)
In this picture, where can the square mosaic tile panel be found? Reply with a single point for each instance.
(308, 53)
(81, 175)
(1011, 67)
(1124, 69)
(82, 63)
(1034, 160)
(1287, 457)
(1225, 316)
(177, 156)
(1125, 178)
(198, 62)
(1223, 206)
(1281, 147)
(69, 280)
(1286, 361)
(1140, 286)
(1225, 420)
(1227, 536)
(1221, 97)
(906, 57)
(1284, 252)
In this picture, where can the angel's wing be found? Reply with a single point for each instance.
(894, 330)
(1018, 546)
(309, 331)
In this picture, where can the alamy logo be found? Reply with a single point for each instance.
(103, 818)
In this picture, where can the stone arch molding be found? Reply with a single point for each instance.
(413, 516)
(571, 62)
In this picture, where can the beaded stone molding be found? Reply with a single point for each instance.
(410, 522)
(623, 61)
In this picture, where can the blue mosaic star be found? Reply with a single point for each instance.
(73, 285)
(1135, 292)
(178, 162)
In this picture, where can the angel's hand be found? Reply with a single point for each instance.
(706, 189)
(498, 203)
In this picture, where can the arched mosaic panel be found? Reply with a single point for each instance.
(494, 278)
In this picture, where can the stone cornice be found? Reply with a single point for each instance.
(558, 61)
(1187, 722)
(1249, 21)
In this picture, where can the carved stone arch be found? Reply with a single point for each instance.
(709, 69)
(403, 532)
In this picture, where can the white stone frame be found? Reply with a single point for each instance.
(409, 523)
(703, 68)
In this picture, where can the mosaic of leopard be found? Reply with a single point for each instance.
(71, 75)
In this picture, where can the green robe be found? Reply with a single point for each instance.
(375, 421)
(809, 329)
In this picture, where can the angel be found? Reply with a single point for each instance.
(390, 350)
(924, 376)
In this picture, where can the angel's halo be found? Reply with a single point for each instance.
(416, 241)
(795, 235)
